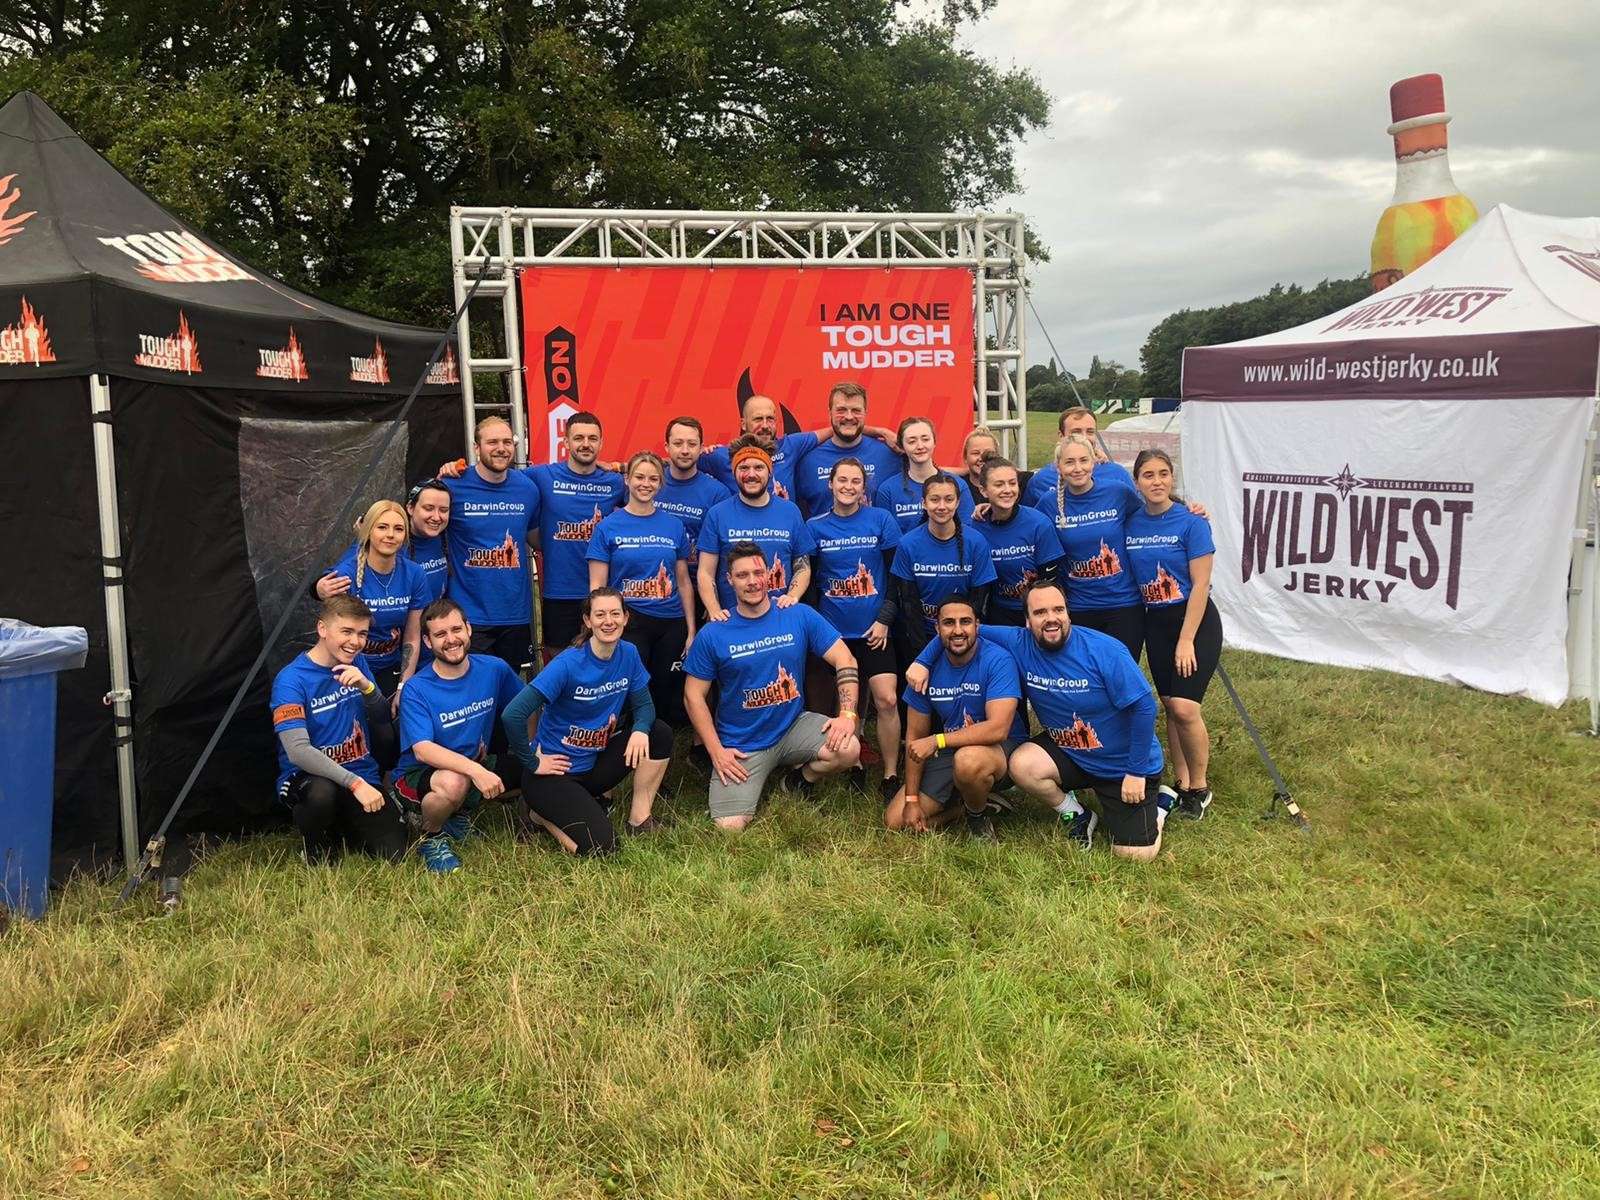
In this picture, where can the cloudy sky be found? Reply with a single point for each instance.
(1201, 150)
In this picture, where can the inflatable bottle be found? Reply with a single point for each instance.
(1428, 211)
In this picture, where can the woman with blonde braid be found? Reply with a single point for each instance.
(378, 571)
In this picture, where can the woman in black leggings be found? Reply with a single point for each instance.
(596, 722)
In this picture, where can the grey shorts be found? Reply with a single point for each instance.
(939, 775)
(800, 745)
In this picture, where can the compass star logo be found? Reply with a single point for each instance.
(1344, 483)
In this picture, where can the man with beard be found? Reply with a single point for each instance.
(757, 659)
(754, 515)
(449, 720)
(1099, 719)
(974, 692)
(491, 510)
(574, 496)
(851, 437)
(1076, 419)
(758, 423)
(688, 492)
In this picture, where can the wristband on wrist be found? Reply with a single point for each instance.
(847, 713)
(939, 741)
(369, 689)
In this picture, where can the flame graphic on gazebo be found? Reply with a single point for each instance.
(11, 225)
(27, 341)
(188, 347)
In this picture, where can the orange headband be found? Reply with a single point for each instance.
(755, 452)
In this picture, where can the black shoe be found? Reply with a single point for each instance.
(889, 787)
(321, 852)
(1080, 827)
(858, 779)
(980, 825)
(648, 825)
(1193, 802)
(794, 780)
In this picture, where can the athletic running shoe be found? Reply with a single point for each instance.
(999, 804)
(794, 780)
(648, 825)
(858, 779)
(1193, 802)
(459, 828)
(980, 825)
(889, 787)
(1080, 827)
(321, 853)
(437, 855)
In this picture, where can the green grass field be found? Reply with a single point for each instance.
(1404, 1004)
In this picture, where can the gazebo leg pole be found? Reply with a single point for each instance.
(120, 697)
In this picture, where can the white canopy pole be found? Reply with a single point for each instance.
(120, 697)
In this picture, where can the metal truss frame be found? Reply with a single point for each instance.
(496, 242)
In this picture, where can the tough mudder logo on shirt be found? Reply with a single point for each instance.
(373, 369)
(578, 531)
(1014, 591)
(506, 555)
(1457, 304)
(656, 587)
(378, 644)
(853, 587)
(580, 738)
(27, 342)
(180, 352)
(1163, 589)
(288, 363)
(173, 256)
(782, 690)
(777, 577)
(351, 749)
(1102, 566)
(1080, 735)
(1388, 531)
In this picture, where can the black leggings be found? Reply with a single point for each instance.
(1125, 624)
(511, 644)
(327, 815)
(570, 802)
(660, 642)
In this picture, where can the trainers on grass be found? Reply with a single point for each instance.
(1080, 827)
(459, 828)
(980, 825)
(889, 787)
(437, 855)
(1193, 802)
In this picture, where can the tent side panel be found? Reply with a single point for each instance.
(50, 575)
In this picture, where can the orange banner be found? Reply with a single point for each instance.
(638, 345)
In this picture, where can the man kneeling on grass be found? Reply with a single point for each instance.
(974, 691)
(449, 717)
(757, 658)
(1099, 719)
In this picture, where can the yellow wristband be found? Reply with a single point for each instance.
(369, 689)
(848, 714)
(938, 741)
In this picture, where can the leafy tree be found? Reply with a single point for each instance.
(1281, 307)
(326, 142)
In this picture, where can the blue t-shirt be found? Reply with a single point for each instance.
(430, 555)
(811, 474)
(759, 667)
(1091, 528)
(1023, 547)
(392, 598)
(936, 569)
(488, 538)
(775, 526)
(641, 556)
(458, 714)
(570, 507)
(1044, 480)
(689, 500)
(849, 566)
(584, 697)
(1089, 695)
(1159, 550)
(901, 497)
(788, 451)
(307, 696)
(959, 696)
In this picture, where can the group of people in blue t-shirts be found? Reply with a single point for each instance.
(752, 598)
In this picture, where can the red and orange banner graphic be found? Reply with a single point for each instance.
(637, 345)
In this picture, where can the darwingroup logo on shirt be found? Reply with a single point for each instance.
(1080, 735)
(578, 531)
(1355, 538)
(373, 368)
(656, 587)
(28, 341)
(177, 352)
(352, 749)
(580, 738)
(174, 256)
(288, 363)
(853, 587)
(1102, 566)
(782, 690)
(506, 555)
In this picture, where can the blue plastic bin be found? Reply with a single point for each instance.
(30, 658)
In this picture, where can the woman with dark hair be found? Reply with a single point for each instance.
(901, 494)
(643, 553)
(428, 505)
(579, 749)
(1024, 541)
(939, 558)
(1170, 551)
(855, 547)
